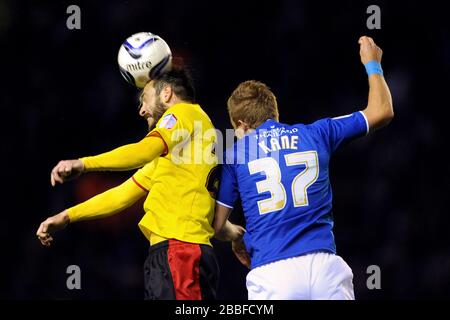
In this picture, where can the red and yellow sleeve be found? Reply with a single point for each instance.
(107, 203)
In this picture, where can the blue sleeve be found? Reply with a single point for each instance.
(228, 191)
(337, 131)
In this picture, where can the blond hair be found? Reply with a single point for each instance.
(253, 103)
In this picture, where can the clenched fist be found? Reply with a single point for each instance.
(369, 51)
(66, 170)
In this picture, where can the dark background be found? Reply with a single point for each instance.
(63, 97)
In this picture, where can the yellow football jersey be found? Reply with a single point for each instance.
(180, 203)
(143, 177)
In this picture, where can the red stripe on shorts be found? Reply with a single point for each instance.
(184, 263)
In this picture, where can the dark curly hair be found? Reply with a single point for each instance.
(181, 82)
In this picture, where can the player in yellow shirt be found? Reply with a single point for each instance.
(179, 174)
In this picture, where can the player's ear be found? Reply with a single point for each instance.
(243, 125)
(166, 94)
(241, 129)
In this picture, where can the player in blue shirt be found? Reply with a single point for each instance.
(280, 173)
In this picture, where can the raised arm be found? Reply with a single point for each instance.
(124, 158)
(379, 111)
(100, 206)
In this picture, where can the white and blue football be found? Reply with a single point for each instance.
(143, 56)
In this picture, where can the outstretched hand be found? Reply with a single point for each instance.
(50, 225)
(66, 170)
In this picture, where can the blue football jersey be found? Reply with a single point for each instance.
(280, 173)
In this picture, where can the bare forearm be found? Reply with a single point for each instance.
(379, 111)
(220, 219)
(226, 232)
(379, 108)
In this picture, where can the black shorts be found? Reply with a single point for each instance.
(182, 271)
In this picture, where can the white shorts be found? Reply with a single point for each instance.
(315, 276)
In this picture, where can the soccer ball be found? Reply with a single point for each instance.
(143, 56)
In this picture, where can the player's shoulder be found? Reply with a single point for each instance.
(319, 123)
(291, 128)
(185, 109)
(190, 112)
(324, 125)
(316, 128)
(272, 127)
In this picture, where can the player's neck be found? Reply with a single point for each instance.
(175, 100)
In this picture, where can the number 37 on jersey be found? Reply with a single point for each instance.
(308, 171)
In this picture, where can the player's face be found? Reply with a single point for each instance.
(143, 113)
(151, 107)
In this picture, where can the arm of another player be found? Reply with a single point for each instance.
(226, 197)
(224, 229)
(379, 111)
(227, 231)
(100, 206)
(127, 157)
